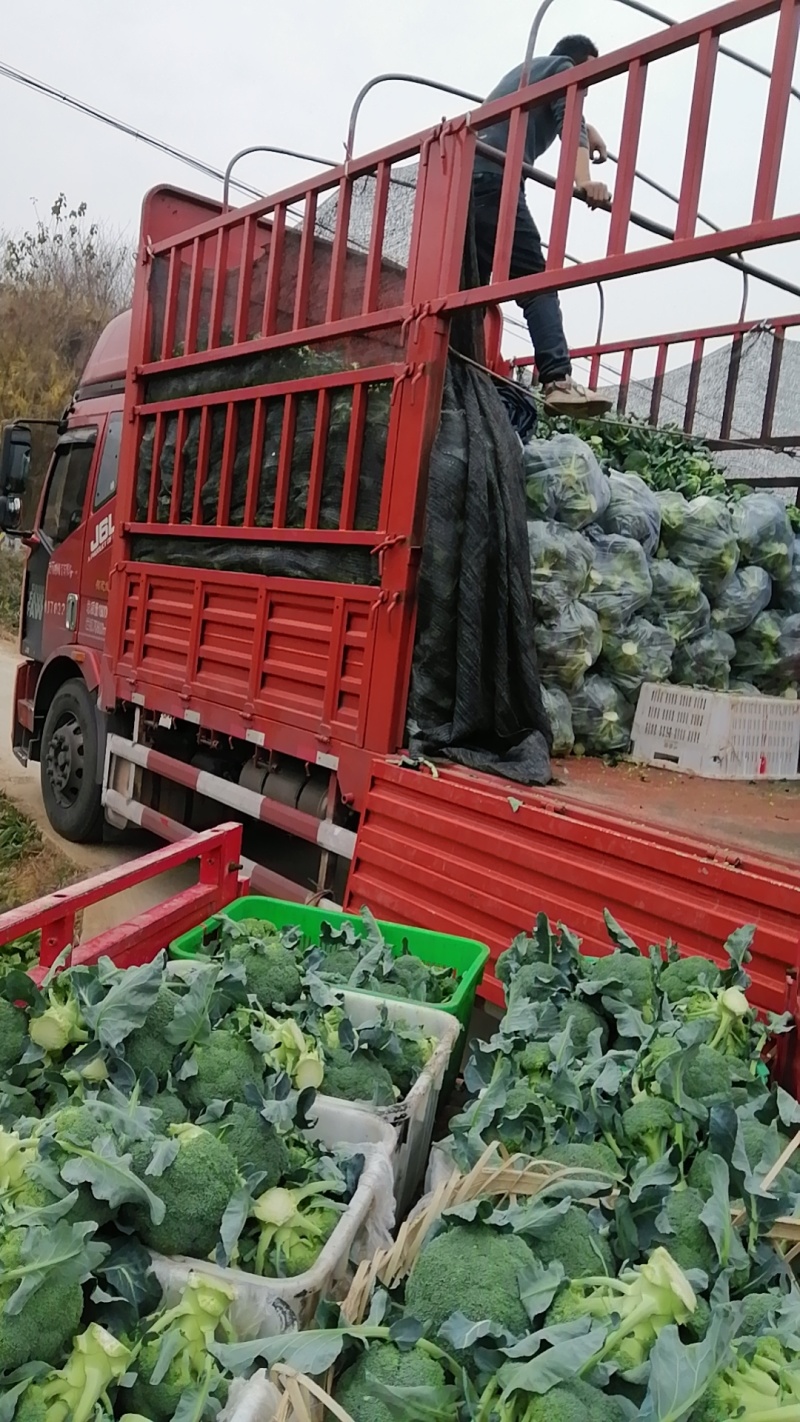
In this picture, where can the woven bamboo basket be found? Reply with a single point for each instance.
(303, 1399)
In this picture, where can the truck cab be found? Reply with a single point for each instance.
(64, 601)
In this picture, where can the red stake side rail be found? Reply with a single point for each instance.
(219, 882)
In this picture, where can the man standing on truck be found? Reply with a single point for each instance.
(542, 311)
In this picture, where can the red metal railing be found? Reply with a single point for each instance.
(219, 309)
(219, 882)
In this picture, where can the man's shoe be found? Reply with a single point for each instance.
(566, 397)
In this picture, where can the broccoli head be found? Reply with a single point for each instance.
(254, 1144)
(385, 1364)
(729, 1018)
(635, 1307)
(78, 1126)
(763, 1145)
(649, 1126)
(535, 1061)
(75, 1392)
(766, 1385)
(200, 1317)
(583, 1021)
(758, 1312)
(590, 1156)
(470, 1269)
(357, 1078)
(340, 963)
(575, 1401)
(679, 980)
(412, 974)
(707, 1076)
(295, 1225)
(13, 1035)
(170, 1108)
(49, 1318)
(271, 972)
(148, 1047)
(526, 985)
(574, 1241)
(627, 976)
(195, 1188)
(226, 1064)
(688, 1241)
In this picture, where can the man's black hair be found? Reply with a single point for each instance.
(578, 48)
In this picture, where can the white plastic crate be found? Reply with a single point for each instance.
(266, 1307)
(414, 1117)
(717, 735)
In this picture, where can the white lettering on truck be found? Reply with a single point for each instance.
(103, 535)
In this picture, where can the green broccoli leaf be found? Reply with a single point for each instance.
(716, 1216)
(109, 1176)
(66, 1249)
(566, 1358)
(681, 1372)
(191, 1022)
(125, 1004)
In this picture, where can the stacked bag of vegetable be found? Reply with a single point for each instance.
(632, 586)
(611, 1223)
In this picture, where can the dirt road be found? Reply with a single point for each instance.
(22, 786)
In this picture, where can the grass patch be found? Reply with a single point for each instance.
(12, 567)
(29, 868)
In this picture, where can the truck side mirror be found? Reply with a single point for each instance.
(15, 462)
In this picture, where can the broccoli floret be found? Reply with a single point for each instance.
(271, 971)
(226, 1065)
(405, 1067)
(192, 1325)
(649, 1126)
(78, 1125)
(584, 1155)
(535, 1061)
(679, 980)
(196, 1189)
(625, 976)
(384, 987)
(699, 1173)
(767, 1143)
(583, 1021)
(635, 1307)
(469, 1269)
(340, 964)
(412, 974)
(79, 1390)
(757, 1311)
(357, 1078)
(526, 985)
(254, 1144)
(574, 1240)
(729, 1018)
(575, 1402)
(707, 1076)
(170, 1108)
(148, 1048)
(13, 1035)
(766, 1386)
(16, 1104)
(698, 1325)
(386, 1364)
(48, 1319)
(690, 1243)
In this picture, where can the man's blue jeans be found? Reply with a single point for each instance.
(543, 311)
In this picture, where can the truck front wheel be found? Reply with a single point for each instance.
(70, 789)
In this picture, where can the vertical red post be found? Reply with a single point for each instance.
(626, 169)
(372, 277)
(697, 136)
(565, 182)
(769, 168)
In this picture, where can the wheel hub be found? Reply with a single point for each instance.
(64, 761)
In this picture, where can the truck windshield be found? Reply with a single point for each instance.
(66, 492)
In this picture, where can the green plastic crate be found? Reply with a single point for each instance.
(466, 958)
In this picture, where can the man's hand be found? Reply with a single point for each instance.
(596, 194)
(598, 151)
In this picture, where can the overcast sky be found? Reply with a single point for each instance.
(212, 77)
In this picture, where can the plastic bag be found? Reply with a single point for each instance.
(678, 602)
(601, 717)
(705, 661)
(638, 653)
(564, 481)
(746, 593)
(619, 580)
(569, 646)
(761, 525)
(559, 711)
(674, 516)
(707, 543)
(560, 563)
(787, 594)
(633, 511)
(744, 688)
(759, 651)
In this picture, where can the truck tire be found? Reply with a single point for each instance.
(70, 789)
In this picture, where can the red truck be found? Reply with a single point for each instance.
(219, 605)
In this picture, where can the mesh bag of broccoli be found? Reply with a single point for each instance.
(560, 563)
(678, 602)
(564, 481)
(619, 580)
(747, 592)
(637, 653)
(705, 661)
(787, 594)
(559, 714)
(568, 646)
(601, 717)
(707, 543)
(633, 511)
(764, 533)
(674, 509)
